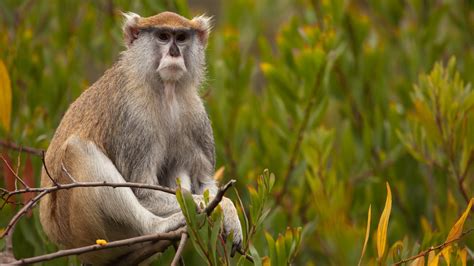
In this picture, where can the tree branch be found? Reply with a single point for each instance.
(175, 235)
(43, 159)
(13, 172)
(180, 249)
(46, 190)
(300, 135)
(137, 256)
(20, 148)
(217, 199)
(424, 253)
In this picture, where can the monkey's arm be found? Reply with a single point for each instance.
(164, 204)
(101, 211)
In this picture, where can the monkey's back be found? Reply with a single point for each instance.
(85, 118)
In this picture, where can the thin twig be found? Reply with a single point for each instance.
(77, 251)
(43, 159)
(5, 202)
(22, 212)
(175, 235)
(45, 190)
(18, 163)
(213, 204)
(217, 199)
(179, 251)
(13, 172)
(89, 184)
(300, 135)
(295, 152)
(20, 148)
(425, 252)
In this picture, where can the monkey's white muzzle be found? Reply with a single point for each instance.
(171, 68)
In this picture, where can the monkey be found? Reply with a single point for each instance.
(143, 121)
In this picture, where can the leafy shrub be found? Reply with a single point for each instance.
(336, 98)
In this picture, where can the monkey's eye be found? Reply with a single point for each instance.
(182, 37)
(163, 36)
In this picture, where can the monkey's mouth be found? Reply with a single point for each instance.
(171, 68)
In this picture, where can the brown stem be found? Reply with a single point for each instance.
(217, 199)
(13, 172)
(179, 251)
(22, 212)
(20, 148)
(425, 252)
(45, 190)
(43, 159)
(175, 235)
(300, 135)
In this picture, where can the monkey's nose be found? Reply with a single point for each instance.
(174, 50)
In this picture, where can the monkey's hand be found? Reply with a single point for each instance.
(232, 224)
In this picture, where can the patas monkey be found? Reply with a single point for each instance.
(144, 122)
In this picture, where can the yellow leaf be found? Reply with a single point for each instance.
(266, 261)
(463, 255)
(433, 260)
(446, 254)
(5, 97)
(383, 224)
(456, 231)
(367, 232)
(101, 242)
(418, 262)
(219, 173)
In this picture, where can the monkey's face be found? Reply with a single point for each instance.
(173, 46)
(167, 46)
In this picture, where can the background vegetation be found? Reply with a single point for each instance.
(336, 98)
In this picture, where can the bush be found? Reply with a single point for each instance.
(336, 98)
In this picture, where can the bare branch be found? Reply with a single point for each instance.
(22, 212)
(13, 172)
(45, 190)
(179, 251)
(43, 156)
(217, 199)
(138, 257)
(425, 252)
(15, 147)
(213, 204)
(18, 163)
(175, 235)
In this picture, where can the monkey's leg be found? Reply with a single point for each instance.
(114, 213)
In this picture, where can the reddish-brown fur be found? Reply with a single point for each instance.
(169, 19)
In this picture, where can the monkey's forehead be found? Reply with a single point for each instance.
(167, 19)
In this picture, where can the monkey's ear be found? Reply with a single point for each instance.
(203, 26)
(130, 27)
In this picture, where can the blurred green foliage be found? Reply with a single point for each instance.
(334, 97)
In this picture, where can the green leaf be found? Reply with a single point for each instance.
(271, 248)
(217, 217)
